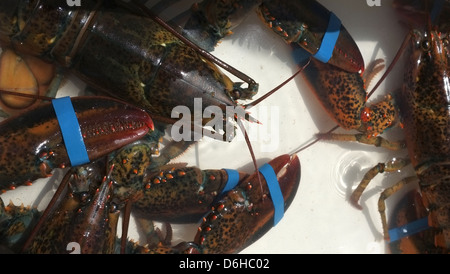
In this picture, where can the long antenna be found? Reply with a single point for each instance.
(25, 95)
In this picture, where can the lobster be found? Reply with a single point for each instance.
(422, 109)
(152, 79)
(87, 216)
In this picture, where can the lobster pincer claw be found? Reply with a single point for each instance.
(100, 126)
(248, 211)
(317, 30)
(287, 169)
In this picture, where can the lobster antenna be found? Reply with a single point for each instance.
(249, 145)
(392, 64)
(125, 225)
(251, 83)
(313, 142)
(32, 96)
(259, 100)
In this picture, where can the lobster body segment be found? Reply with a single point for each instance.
(425, 111)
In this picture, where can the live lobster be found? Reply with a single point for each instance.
(422, 109)
(43, 168)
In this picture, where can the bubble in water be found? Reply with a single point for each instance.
(349, 170)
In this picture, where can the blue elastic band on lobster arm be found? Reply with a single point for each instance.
(71, 132)
(329, 39)
(275, 192)
(409, 229)
(233, 180)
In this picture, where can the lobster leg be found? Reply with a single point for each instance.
(385, 195)
(154, 235)
(16, 223)
(363, 139)
(391, 166)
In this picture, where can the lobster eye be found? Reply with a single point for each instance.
(426, 45)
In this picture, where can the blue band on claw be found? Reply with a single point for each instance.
(275, 192)
(71, 132)
(409, 229)
(329, 39)
(233, 180)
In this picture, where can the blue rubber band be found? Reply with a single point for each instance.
(275, 192)
(329, 40)
(409, 229)
(233, 180)
(71, 132)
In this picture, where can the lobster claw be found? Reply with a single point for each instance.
(105, 125)
(253, 207)
(317, 30)
(287, 169)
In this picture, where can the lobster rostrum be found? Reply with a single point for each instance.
(304, 23)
